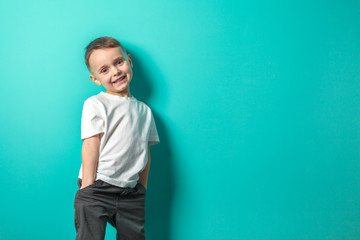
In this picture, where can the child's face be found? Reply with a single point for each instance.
(113, 69)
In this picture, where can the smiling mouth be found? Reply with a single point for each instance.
(119, 79)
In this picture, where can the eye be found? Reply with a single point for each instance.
(104, 70)
(120, 62)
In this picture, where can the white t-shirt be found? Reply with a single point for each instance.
(128, 126)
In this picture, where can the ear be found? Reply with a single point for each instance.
(97, 82)
(130, 60)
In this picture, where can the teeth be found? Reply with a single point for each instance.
(119, 79)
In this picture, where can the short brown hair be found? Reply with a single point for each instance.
(99, 43)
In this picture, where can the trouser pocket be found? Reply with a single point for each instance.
(140, 189)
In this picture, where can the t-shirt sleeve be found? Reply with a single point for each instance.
(153, 135)
(92, 122)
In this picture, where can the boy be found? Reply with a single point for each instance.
(117, 131)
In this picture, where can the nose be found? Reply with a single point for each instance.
(116, 71)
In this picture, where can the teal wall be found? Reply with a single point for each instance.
(257, 104)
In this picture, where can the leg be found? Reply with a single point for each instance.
(130, 215)
(90, 215)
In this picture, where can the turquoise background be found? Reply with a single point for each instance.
(256, 104)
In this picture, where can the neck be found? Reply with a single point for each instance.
(127, 94)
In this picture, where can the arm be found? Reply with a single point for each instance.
(143, 176)
(90, 157)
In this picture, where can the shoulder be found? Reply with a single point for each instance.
(95, 100)
(143, 106)
(93, 103)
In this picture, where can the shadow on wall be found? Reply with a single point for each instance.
(161, 179)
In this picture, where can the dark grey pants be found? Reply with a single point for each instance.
(99, 203)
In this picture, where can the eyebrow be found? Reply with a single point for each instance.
(115, 60)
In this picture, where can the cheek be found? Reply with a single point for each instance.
(105, 80)
(127, 69)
